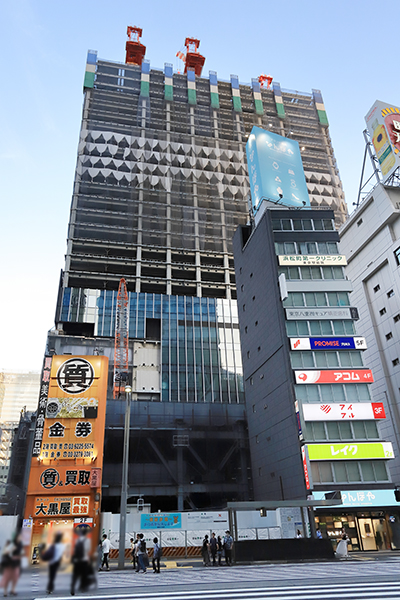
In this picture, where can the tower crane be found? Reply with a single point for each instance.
(121, 348)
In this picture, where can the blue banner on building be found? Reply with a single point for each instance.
(275, 170)
(160, 521)
(339, 343)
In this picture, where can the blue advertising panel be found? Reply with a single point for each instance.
(275, 170)
(160, 521)
(339, 343)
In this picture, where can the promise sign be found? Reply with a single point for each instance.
(328, 343)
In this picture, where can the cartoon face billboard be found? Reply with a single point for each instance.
(383, 123)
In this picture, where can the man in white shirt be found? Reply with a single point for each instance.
(106, 545)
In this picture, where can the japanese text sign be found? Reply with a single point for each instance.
(299, 260)
(350, 451)
(357, 411)
(160, 521)
(335, 376)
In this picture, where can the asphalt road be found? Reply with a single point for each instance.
(358, 578)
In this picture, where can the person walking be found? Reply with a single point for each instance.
(220, 549)
(136, 547)
(213, 549)
(157, 552)
(132, 542)
(81, 561)
(205, 551)
(299, 534)
(106, 545)
(11, 563)
(56, 552)
(228, 546)
(142, 553)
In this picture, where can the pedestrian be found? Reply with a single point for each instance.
(299, 534)
(99, 555)
(319, 534)
(53, 555)
(220, 549)
(205, 551)
(106, 545)
(341, 549)
(11, 564)
(81, 561)
(213, 549)
(136, 559)
(142, 554)
(228, 545)
(133, 552)
(157, 553)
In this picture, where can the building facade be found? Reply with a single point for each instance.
(370, 238)
(160, 187)
(311, 415)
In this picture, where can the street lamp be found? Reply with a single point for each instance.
(124, 489)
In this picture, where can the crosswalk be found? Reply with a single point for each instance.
(353, 591)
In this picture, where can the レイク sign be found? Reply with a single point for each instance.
(335, 376)
(328, 343)
(350, 451)
(359, 411)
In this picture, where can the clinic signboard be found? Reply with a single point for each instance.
(311, 260)
(351, 451)
(349, 411)
(330, 312)
(383, 123)
(328, 343)
(275, 170)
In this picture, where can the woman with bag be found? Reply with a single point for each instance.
(11, 563)
(54, 556)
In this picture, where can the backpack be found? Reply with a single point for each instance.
(143, 546)
(48, 554)
(79, 551)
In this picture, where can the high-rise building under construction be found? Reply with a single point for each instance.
(161, 184)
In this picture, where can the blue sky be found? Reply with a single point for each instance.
(346, 49)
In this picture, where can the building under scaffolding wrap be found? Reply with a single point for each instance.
(161, 184)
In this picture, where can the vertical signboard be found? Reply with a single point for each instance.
(383, 123)
(275, 170)
(65, 476)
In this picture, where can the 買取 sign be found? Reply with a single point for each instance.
(350, 451)
(357, 411)
(328, 343)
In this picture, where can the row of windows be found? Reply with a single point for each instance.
(317, 299)
(348, 471)
(302, 225)
(312, 328)
(304, 360)
(317, 431)
(312, 272)
(306, 248)
(338, 392)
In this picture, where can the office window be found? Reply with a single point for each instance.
(397, 255)
(395, 362)
(377, 288)
(389, 336)
(382, 311)
(390, 293)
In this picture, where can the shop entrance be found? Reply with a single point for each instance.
(374, 534)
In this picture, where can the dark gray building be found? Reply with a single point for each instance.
(300, 356)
